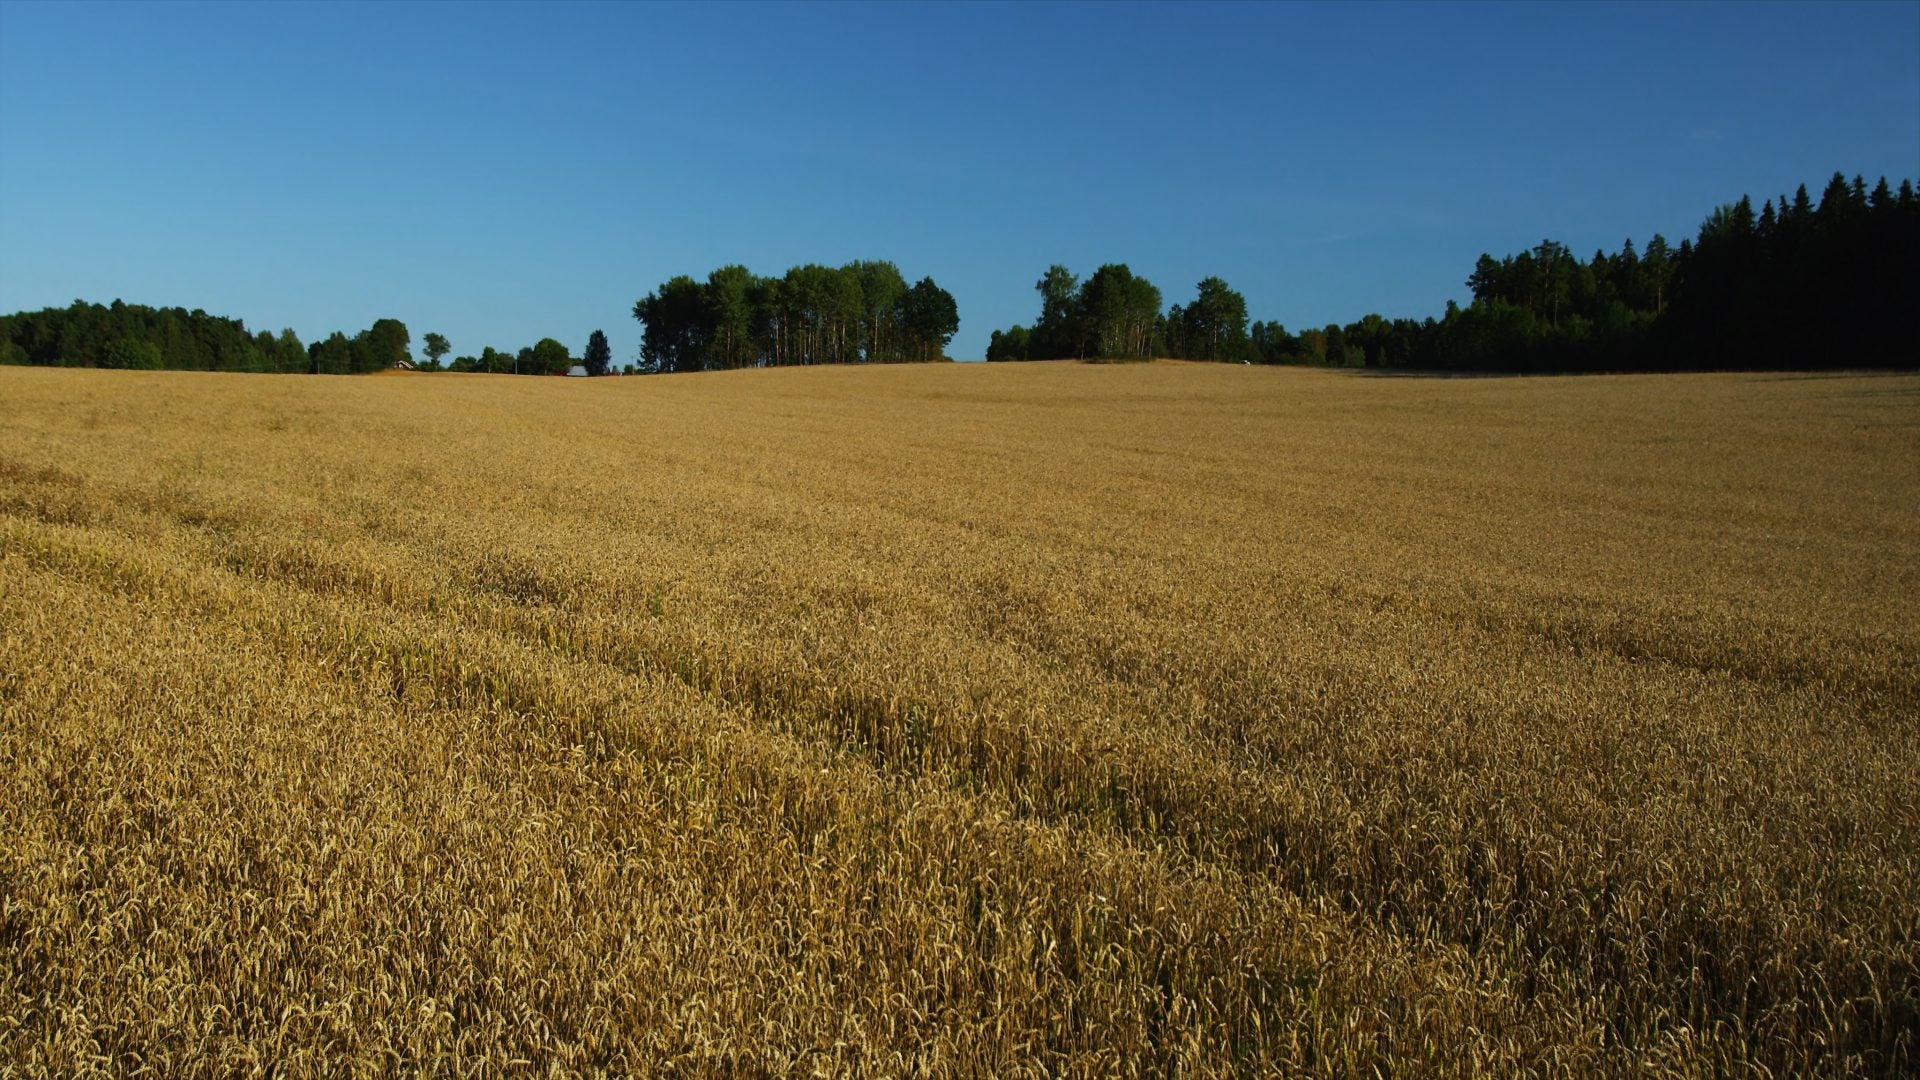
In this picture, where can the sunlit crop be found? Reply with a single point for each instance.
(1027, 720)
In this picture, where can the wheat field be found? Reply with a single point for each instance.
(966, 720)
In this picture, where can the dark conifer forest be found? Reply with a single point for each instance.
(1800, 283)
(1796, 285)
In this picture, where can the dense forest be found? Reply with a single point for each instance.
(122, 335)
(863, 312)
(133, 336)
(1795, 285)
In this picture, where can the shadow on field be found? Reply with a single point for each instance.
(1403, 373)
(1760, 375)
(1810, 376)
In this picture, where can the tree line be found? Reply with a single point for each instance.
(544, 357)
(122, 335)
(863, 312)
(1798, 284)
(134, 336)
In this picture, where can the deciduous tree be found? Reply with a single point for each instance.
(435, 346)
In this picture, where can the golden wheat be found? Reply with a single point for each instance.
(1028, 720)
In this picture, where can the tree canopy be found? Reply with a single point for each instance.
(1115, 315)
(435, 346)
(863, 312)
(544, 357)
(122, 335)
(598, 357)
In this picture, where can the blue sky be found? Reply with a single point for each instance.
(502, 173)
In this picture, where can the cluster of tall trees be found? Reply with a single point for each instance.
(1115, 315)
(863, 312)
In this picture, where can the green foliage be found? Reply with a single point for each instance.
(1789, 286)
(1115, 315)
(1118, 314)
(331, 356)
(862, 312)
(383, 345)
(1060, 330)
(133, 335)
(1794, 284)
(1269, 343)
(132, 353)
(729, 315)
(435, 346)
(1213, 327)
(882, 293)
(548, 357)
(674, 320)
(373, 349)
(599, 357)
(930, 318)
(1009, 344)
(544, 357)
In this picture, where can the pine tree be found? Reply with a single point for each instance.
(598, 357)
(1834, 200)
(1802, 206)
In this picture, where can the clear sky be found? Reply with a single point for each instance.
(502, 173)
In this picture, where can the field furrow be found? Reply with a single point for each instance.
(1066, 720)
